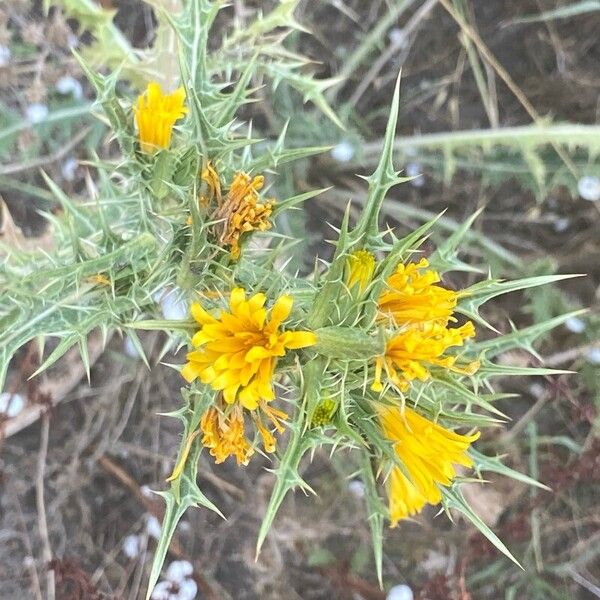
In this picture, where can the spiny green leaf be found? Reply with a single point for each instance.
(453, 498)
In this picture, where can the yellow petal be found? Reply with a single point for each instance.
(298, 339)
(280, 312)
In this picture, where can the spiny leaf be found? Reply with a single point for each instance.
(522, 338)
(382, 179)
(376, 511)
(495, 465)
(453, 498)
(287, 478)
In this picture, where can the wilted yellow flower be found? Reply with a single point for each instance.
(413, 297)
(99, 279)
(242, 210)
(409, 353)
(238, 351)
(211, 178)
(428, 452)
(156, 114)
(223, 430)
(224, 435)
(360, 266)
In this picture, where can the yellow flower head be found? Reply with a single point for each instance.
(237, 352)
(360, 266)
(428, 452)
(242, 210)
(409, 353)
(413, 297)
(155, 115)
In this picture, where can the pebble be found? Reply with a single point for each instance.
(68, 169)
(69, 85)
(343, 152)
(400, 592)
(397, 36)
(575, 325)
(131, 546)
(179, 570)
(153, 526)
(589, 188)
(357, 488)
(187, 590)
(593, 356)
(11, 404)
(172, 307)
(562, 224)
(162, 591)
(130, 349)
(36, 112)
(415, 170)
(5, 54)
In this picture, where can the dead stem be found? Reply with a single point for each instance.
(41, 506)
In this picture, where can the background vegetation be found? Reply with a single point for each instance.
(499, 110)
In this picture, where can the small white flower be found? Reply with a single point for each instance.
(131, 546)
(68, 168)
(4, 55)
(357, 488)
(575, 325)
(153, 526)
(11, 404)
(36, 113)
(179, 570)
(589, 188)
(72, 41)
(187, 590)
(594, 356)
(69, 85)
(343, 152)
(400, 592)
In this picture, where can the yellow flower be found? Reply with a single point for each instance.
(428, 452)
(241, 211)
(409, 353)
(238, 351)
(360, 266)
(156, 114)
(413, 297)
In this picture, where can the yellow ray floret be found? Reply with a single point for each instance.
(237, 352)
(155, 116)
(360, 266)
(242, 211)
(410, 353)
(413, 297)
(428, 452)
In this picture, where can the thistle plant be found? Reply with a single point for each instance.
(372, 352)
